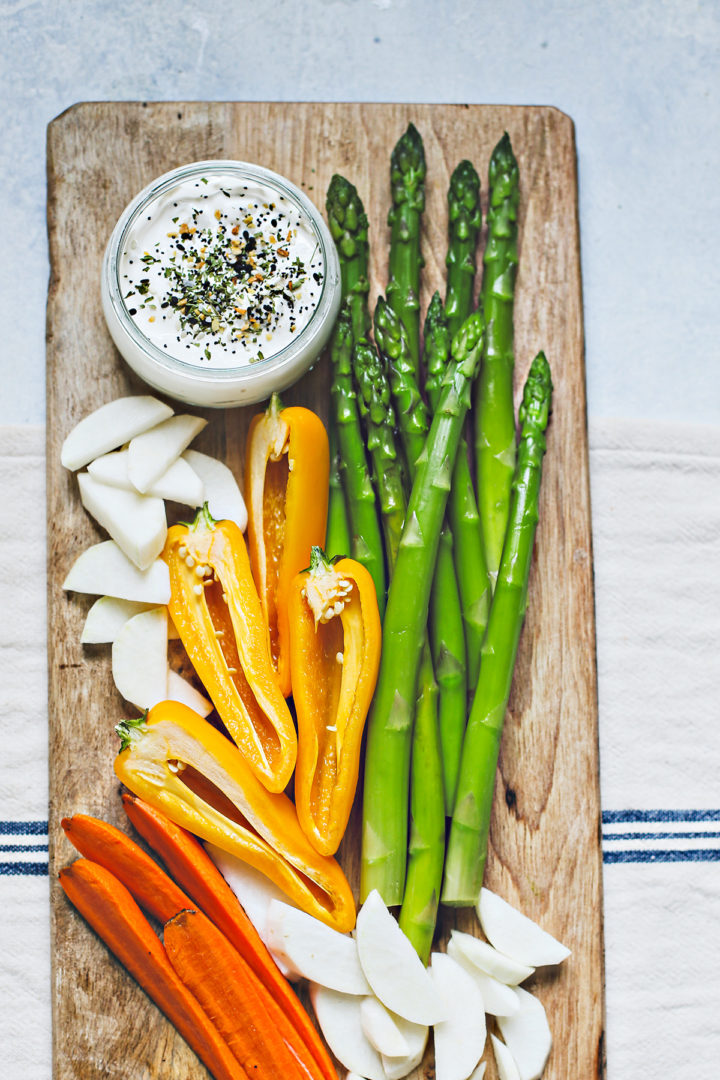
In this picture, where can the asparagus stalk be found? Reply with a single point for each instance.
(467, 849)
(469, 552)
(464, 221)
(367, 545)
(495, 435)
(387, 760)
(349, 229)
(407, 182)
(427, 802)
(379, 417)
(447, 636)
(426, 851)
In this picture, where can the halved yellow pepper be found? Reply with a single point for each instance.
(287, 470)
(216, 610)
(184, 767)
(334, 657)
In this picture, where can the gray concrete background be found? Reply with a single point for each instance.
(640, 80)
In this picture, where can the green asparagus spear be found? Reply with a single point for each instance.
(427, 795)
(337, 535)
(467, 850)
(379, 417)
(407, 182)
(464, 221)
(367, 545)
(387, 760)
(426, 851)
(469, 552)
(349, 229)
(495, 435)
(447, 636)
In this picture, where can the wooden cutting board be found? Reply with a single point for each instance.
(545, 851)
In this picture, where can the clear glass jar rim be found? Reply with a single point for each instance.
(244, 170)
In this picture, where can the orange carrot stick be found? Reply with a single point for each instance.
(149, 884)
(111, 911)
(231, 995)
(191, 865)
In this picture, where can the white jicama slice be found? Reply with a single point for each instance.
(459, 1040)
(527, 1035)
(381, 1029)
(106, 618)
(515, 935)
(179, 689)
(314, 950)
(499, 999)
(254, 891)
(416, 1036)
(139, 658)
(152, 453)
(104, 570)
(137, 523)
(477, 1074)
(180, 483)
(112, 469)
(339, 1018)
(506, 1065)
(393, 968)
(222, 494)
(488, 959)
(110, 426)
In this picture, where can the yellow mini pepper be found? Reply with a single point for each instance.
(334, 657)
(287, 469)
(216, 610)
(184, 767)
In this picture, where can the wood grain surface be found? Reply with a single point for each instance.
(545, 850)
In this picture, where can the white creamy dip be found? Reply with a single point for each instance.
(221, 272)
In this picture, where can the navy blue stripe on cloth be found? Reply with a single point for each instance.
(23, 847)
(649, 856)
(23, 828)
(28, 869)
(657, 827)
(613, 817)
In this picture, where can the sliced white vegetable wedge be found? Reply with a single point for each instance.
(314, 950)
(104, 570)
(136, 523)
(381, 1029)
(222, 493)
(527, 1035)
(488, 959)
(499, 999)
(393, 968)
(180, 483)
(139, 658)
(112, 469)
(172, 630)
(513, 934)
(416, 1036)
(110, 426)
(339, 1018)
(152, 453)
(106, 618)
(506, 1066)
(254, 891)
(459, 1040)
(179, 689)
(477, 1074)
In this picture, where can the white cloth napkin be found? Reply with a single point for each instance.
(656, 525)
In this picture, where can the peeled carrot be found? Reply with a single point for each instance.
(191, 865)
(231, 995)
(109, 847)
(111, 911)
